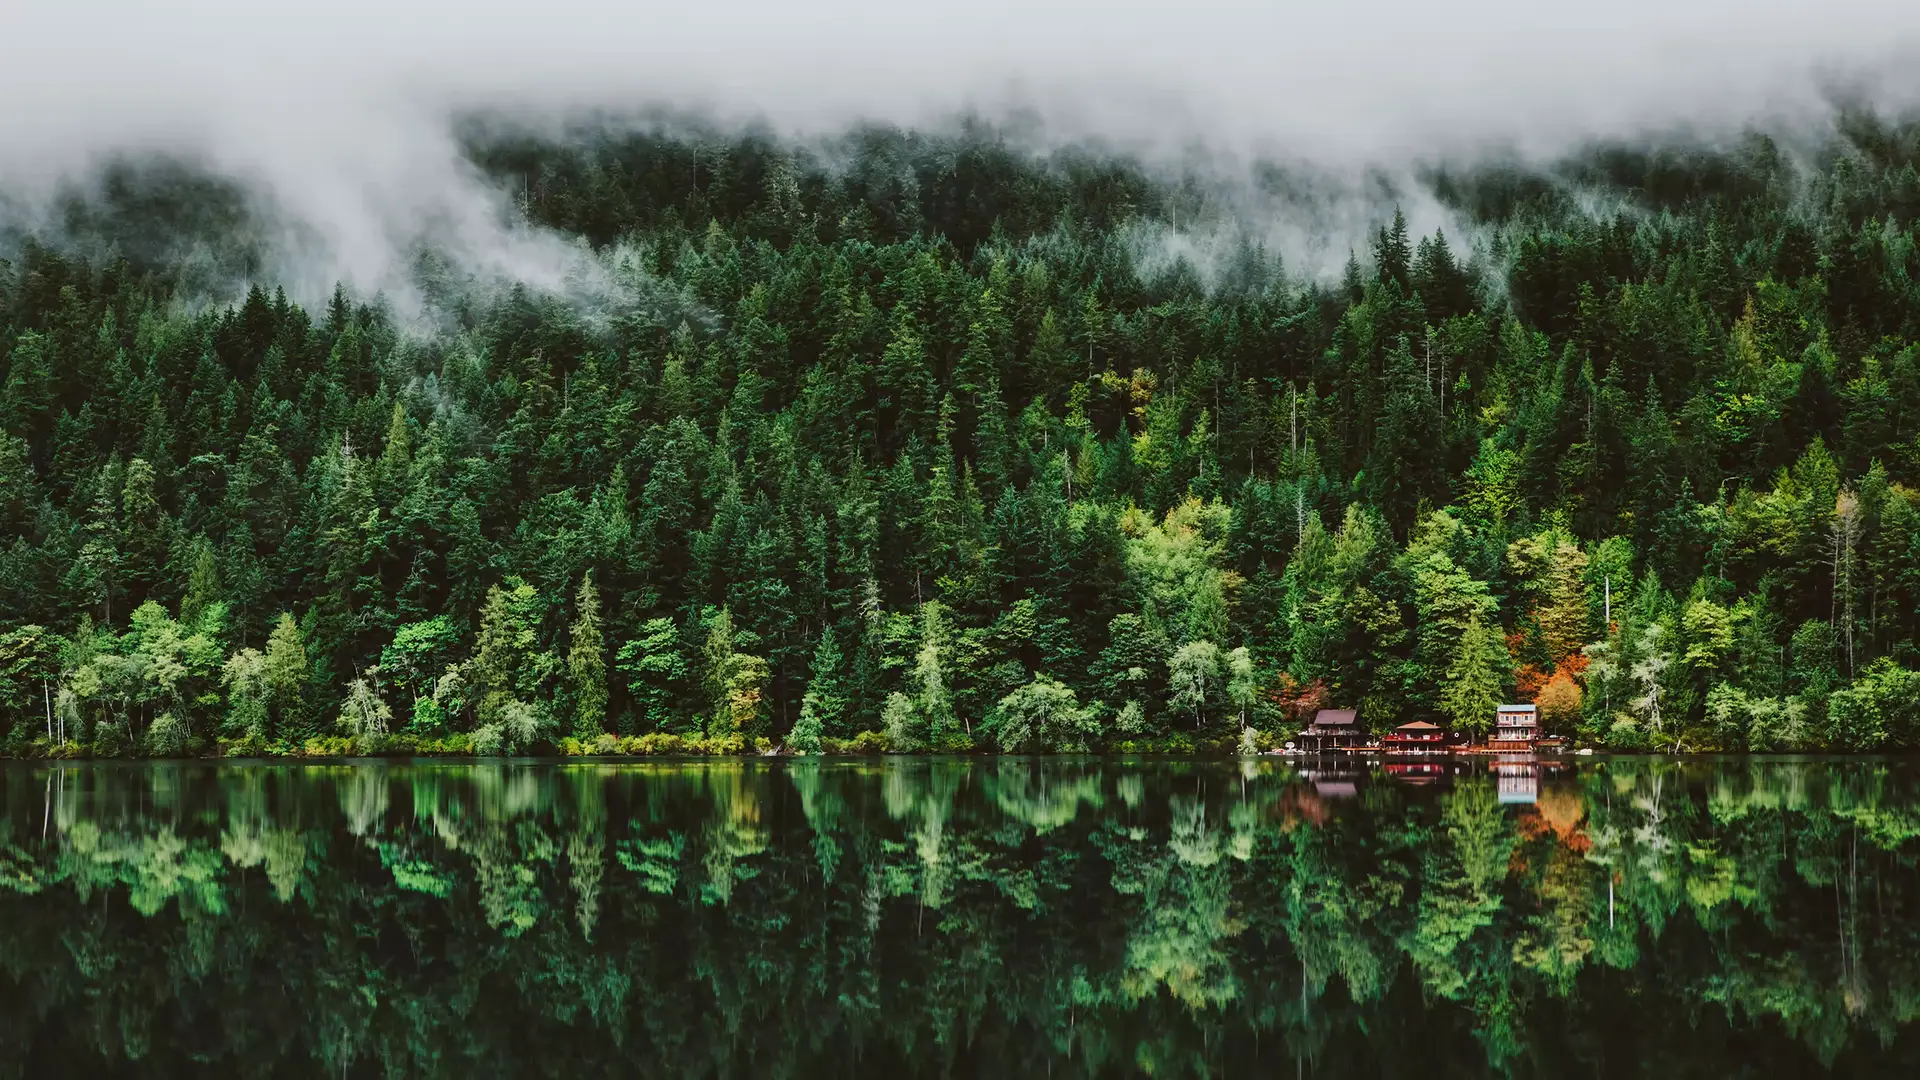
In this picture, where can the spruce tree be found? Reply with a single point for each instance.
(587, 664)
(1477, 679)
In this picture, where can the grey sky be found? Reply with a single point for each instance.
(335, 109)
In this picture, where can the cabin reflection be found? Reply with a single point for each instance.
(1418, 773)
(1517, 777)
(1334, 779)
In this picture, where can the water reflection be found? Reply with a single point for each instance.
(992, 916)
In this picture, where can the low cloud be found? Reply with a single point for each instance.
(337, 119)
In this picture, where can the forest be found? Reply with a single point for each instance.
(923, 441)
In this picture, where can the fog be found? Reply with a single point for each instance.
(336, 116)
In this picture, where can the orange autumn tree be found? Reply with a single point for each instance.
(1552, 568)
(1560, 699)
(1298, 700)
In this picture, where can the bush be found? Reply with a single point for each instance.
(805, 738)
(251, 744)
(868, 742)
(167, 737)
(328, 746)
(110, 740)
(906, 728)
(732, 743)
(1043, 715)
(1626, 733)
(489, 740)
(1757, 724)
(1880, 711)
(654, 742)
(1171, 744)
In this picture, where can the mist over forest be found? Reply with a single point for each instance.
(574, 413)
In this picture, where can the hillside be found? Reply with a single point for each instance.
(929, 437)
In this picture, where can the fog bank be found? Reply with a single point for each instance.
(337, 117)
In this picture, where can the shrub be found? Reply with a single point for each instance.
(868, 742)
(1879, 711)
(328, 746)
(653, 743)
(489, 740)
(806, 734)
(1043, 715)
(168, 736)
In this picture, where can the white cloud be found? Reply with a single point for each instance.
(336, 113)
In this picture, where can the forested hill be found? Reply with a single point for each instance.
(931, 446)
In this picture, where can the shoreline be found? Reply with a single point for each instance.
(1467, 757)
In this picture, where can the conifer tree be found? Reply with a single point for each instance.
(1477, 679)
(285, 673)
(587, 664)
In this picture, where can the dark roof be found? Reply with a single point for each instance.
(1334, 717)
(1418, 725)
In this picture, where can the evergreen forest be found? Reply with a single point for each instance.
(917, 441)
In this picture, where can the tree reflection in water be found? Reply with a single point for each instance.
(957, 916)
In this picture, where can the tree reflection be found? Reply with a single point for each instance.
(1000, 916)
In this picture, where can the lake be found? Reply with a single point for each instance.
(959, 917)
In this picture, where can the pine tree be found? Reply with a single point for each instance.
(1477, 679)
(825, 702)
(284, 675)
(203, 585)
(587, 664)
(1393, 252)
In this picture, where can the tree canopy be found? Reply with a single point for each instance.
(891, 436)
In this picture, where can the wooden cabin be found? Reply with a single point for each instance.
(1418, 737)
(1332, 729)
(1515, 727)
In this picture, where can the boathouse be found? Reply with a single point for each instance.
(1515, 727)
(1332, 729)
(1418, 737)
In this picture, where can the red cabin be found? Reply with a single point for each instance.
(1419, 737)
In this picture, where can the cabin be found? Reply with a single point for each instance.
(1332, 729)
(1418, 737)
(1515, 727)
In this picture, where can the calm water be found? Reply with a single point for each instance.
(938, 917)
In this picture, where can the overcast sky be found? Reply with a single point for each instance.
(335, 109)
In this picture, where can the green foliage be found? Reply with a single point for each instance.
(656, 673)
(829, 441)
(1194, 675)
(1880, 711)
(419, 652)
(365, 714)
(1763, 724)
(1477, 679)
(1042, 715)
(587, 664)
(1414, 927)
